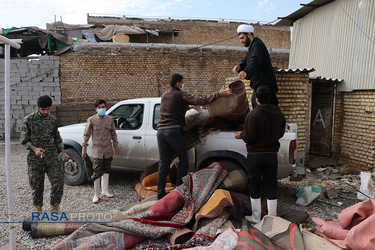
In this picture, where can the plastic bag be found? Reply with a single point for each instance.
(367, 187)
(306, 195)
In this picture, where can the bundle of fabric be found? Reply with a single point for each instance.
(354, 229)
(147, 184)
(288, 235)
(167, 216)
(234, 107)
(252, 238)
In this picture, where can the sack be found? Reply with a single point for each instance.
(234, 107)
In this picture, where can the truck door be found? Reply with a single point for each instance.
(152, 151)
(130, 131)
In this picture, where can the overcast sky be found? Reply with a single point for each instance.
(21, 13)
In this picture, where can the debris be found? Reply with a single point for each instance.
(350, 184)
(321, 162)
(335, 171)
(331, 203)
(321, 169)
(330, 193)
(347, 170)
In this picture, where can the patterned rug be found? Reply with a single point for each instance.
(166, 216)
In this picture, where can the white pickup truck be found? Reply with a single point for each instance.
(136, 121)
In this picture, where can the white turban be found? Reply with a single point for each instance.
(245, 28)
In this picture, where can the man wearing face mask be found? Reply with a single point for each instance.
(40, 136)
(256, 66)
(171, 138)
(103, 131)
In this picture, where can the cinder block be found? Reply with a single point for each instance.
(15, 106)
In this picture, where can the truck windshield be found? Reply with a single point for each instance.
(128, 116)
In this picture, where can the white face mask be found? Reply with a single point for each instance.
(182, 86)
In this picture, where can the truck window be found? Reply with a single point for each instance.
(128, 116)
(156, 116)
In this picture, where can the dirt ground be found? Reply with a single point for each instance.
(330, 176)
(339, 187)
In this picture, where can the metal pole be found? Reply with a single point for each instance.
(12, 238)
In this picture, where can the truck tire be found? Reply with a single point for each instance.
(74, 168)
(229, 164)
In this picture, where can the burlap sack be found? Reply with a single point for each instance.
(234, 107)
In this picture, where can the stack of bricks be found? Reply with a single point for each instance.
(355, 129)
(29, 79)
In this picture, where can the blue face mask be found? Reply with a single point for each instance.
(102, 111)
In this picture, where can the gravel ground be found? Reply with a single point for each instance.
(78, 198)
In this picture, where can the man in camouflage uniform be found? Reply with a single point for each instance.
(39, 135)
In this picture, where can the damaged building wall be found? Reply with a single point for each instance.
(29, 79)
(116, 72)
(354, 132)
(198, 31)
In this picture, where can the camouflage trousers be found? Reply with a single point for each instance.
(37, 169)
(101, 166)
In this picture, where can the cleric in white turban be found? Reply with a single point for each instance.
(256, 66)
(245, 28)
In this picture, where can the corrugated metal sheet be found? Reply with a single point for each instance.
(324, 79)
(306, 9)
(338, 41)
(296, 70)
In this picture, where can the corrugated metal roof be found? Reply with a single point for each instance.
(338, 41)
(306, 9)
(324, 79)
(305, 70)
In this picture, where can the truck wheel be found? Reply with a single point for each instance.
(74, 168)
(228, 164)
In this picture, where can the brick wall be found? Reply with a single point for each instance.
(295, 101)
(29, 79)
(71, 113)
(115, 72)
(199, 31)
(355, 129)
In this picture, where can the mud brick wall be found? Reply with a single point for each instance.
(118, 72)
(29, 79)
(354, 129)
(199, 31)
(295, 101)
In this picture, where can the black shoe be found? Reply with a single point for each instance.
(161, 195)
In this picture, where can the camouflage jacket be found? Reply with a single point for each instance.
(41, 132)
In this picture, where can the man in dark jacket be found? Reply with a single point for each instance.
(264, 126)
(256, 66)
(170, 135)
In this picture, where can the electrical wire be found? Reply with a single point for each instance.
(355, 23)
